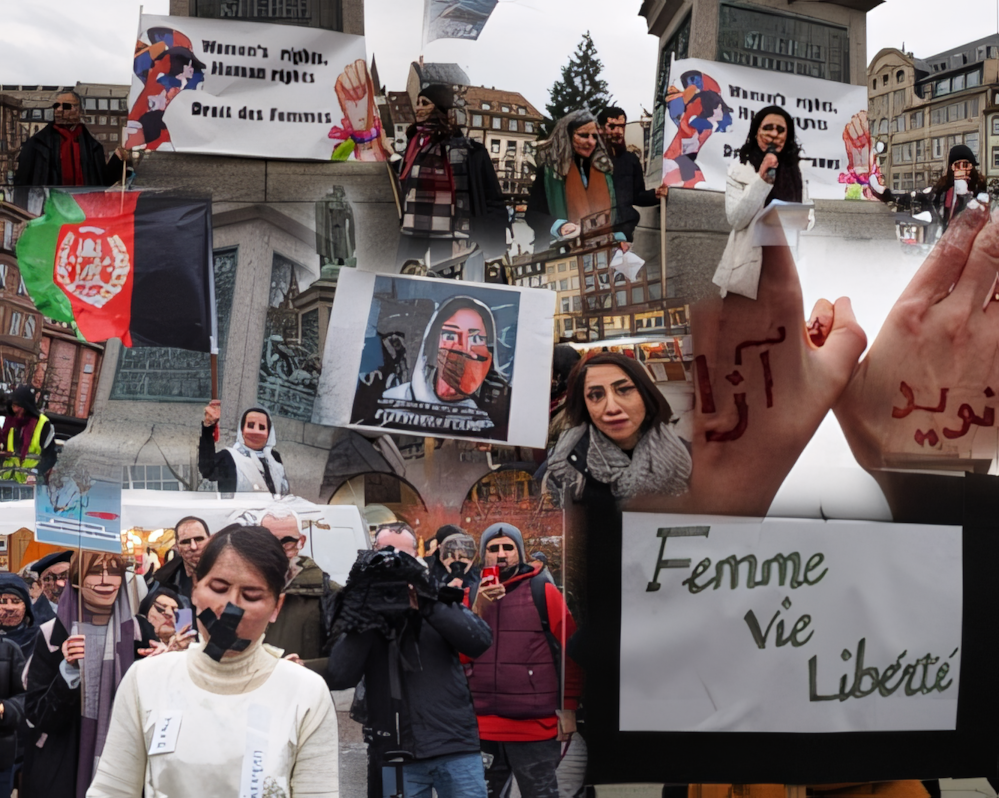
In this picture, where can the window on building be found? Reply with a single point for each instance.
(3, 276)
(937, 149)
(920, 150)
(563, 285)
(561, 267)
(36, 113)
(920, 179)
(476, 120)
(973, 108)
(574, 282)
(971, 140)
(957, 83)
(896, 153)
(577, 303)
(995, 125)
(973, 79)
(874, 84)
(588, 283)
(916, 120)
(15, 324)
(953, 141)
(941, 87)
(883, 127)
(89, 104)
(638, 294)
(621, 298)
(995, 157)
(588, 260)
(602, 259)
(497, 123)
(900, 124)
(884, 80)
(937, 116)
(494, 146)
(603, 281)
(655, 291)
(568, 325)
(900, 76)
(565, 304)
(29, 327)
(894, 183)
(512, 125)
(102, 104)
(505, 109)
(898, 98)
(21, 289)
(528, 127)
(486, 107)
(103, 120)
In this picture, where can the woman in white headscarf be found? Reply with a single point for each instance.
(251, 464)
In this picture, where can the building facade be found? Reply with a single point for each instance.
(507, 126)
(346, 16)
(921, 108)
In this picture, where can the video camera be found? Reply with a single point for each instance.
(388, 587)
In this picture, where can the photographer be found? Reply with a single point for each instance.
(399, 630)
(457, 555)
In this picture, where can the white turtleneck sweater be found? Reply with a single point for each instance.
(251, 726)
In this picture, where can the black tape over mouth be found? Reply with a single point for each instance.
(222, 631)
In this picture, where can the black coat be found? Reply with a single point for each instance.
(12, 697)
(53, 708)
(39, 163)
(437, 716)
(219, 467)
(629, 191)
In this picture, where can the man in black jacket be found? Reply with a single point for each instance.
(419, 720)
(629, 179)
(63, 153)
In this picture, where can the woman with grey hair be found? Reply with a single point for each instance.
(573, 181)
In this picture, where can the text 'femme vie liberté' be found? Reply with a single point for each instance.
(914, 678)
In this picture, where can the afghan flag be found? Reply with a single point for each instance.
(135, 266)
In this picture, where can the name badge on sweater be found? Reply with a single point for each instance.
(165, 733)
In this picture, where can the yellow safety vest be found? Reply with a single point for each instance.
(34, 454)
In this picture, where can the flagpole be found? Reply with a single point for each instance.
(662, 244)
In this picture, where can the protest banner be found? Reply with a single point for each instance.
(79, 513)
(455, 19)
(744, 646)
(788, 625)
(245, 88)
(438, 358)
(709, 107)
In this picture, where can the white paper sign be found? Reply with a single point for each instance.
(710, 105)
(245, 88)
(439, 358)
(787, 625)
(165, 733)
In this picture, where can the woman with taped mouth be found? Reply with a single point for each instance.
(621, 443)
(226, 717)
(456, 365)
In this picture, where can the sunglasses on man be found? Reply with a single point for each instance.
(771, 128)
(492, 548)
(65, 106)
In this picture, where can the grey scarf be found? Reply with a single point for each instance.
(660, 464)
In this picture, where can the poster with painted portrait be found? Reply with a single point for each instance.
(438, 358)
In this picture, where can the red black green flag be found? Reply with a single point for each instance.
(135, 266)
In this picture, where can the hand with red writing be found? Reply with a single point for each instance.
(925, 392)
(356, 95)
(763, 382)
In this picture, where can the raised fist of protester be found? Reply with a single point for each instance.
(213, 412)
(73, 650)
(355, 94)
(764, 380)
(925, 392)
(857, 139)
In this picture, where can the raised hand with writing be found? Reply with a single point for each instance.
(764, 380)
(925, 392)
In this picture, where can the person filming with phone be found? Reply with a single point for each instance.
(526, 698)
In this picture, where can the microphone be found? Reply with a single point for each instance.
(772, 171)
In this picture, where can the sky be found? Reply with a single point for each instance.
(522, 47)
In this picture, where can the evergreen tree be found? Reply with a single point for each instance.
(580, 86)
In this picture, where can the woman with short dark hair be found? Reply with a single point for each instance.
(621, 442)
(225, 712)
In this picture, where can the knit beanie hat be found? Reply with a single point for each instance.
(502, 530)
(440, 95)
(961, 152)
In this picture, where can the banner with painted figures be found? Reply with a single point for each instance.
(245, 88)
(789, 625)
(455, 19)
(438, 358)
(709, 107)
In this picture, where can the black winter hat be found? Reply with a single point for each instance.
(440, 95)
(961, 152)
(51, 559)
(24, 397)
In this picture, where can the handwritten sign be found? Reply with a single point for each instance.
(782, 625)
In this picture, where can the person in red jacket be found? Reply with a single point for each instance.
(523, 705)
